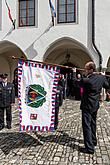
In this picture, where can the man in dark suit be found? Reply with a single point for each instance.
(92, 85)
(7, 98)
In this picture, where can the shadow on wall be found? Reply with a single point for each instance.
(31, 52)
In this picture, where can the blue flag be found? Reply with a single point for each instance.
(53, 12)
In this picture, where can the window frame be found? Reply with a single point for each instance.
(75, 12)
(27, 17)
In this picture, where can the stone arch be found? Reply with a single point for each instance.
(57, 51)
(7, 64)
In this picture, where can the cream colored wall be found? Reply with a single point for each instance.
(34, 42)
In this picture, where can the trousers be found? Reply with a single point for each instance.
(8, 116)
(89, 129)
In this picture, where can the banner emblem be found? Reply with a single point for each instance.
(35, 96)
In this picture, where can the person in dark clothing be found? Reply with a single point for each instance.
(57, 105)
(64, 86)
(15, 82)
(92, 84)
(59, 99)
(77, 87)
(60, 88)
(7, 98)
(69, 91)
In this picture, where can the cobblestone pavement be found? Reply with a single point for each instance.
(60, 147)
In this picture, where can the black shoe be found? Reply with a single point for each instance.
(95, 144)
(8, 126)
(85, 150)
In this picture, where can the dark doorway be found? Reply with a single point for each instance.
(67, 70)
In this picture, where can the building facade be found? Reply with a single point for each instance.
(81, 32)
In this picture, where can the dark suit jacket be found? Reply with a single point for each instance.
(7, 95)
(92, 86)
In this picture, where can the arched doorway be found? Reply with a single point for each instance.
(7, 64)
(67, 52)
(59, 51)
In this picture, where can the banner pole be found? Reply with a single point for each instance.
(67, 67)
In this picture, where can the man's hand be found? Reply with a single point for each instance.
(74, 70)
(102, 73)
(12, 104)
(99, 73)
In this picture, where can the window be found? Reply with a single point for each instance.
(66, 11)
(26, 13)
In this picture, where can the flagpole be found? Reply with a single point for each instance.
(9, 14)
(53, 14)
(62, 66)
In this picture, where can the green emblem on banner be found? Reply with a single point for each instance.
(35, 95)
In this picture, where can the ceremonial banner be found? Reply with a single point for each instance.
(37, 85)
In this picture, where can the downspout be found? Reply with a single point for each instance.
(93, 35)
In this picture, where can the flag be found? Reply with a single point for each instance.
(37, 86)
(53, 12)
(9, 14)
